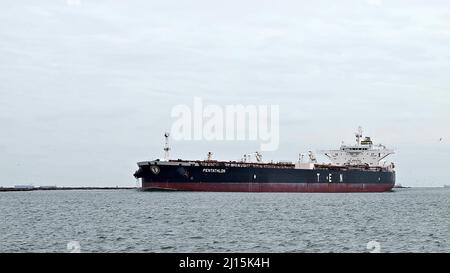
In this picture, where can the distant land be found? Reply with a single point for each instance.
(50, 188)
(399, 186)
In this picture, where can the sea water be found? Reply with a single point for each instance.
(405, 220)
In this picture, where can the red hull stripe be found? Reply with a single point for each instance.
(268, 187)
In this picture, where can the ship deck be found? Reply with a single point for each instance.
(273, 165)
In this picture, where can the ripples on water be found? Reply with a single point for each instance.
(407, 220)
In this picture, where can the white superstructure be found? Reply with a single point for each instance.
(363, 153)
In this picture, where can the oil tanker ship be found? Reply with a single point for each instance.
(353, 168)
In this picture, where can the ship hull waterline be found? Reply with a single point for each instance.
(267, 187)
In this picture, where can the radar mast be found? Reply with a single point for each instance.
(359, 135)
(166, 146)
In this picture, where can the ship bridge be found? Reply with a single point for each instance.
(364, 152)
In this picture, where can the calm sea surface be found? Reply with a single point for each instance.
(406, 220)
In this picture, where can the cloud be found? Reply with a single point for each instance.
(376, 3)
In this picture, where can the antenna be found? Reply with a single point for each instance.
(166, 146)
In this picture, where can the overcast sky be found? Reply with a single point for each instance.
(87, 86)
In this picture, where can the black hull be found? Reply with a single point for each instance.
(163, 176)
